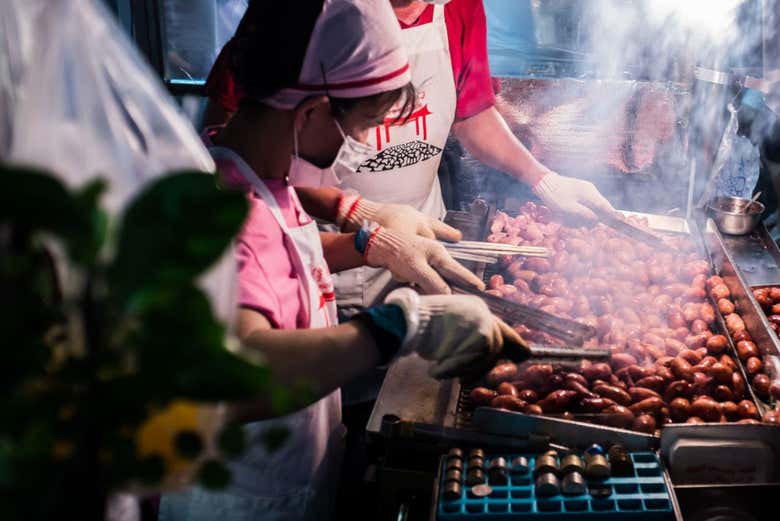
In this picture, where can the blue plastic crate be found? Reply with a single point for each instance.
(644, 496)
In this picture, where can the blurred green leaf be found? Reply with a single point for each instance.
(85, 247)
(174, 230)
(181, 347)
(36, 201)
(214, 475)
(232, 440)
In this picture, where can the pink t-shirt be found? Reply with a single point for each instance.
(267, 281)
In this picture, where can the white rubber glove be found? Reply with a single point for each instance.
(353, 211)
(572, 196)
(416, 260)
(457, 332)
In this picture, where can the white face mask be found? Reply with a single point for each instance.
(350, 156)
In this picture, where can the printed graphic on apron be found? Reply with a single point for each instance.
(406, 154)
(409, 151)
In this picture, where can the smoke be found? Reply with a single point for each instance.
(622, 103)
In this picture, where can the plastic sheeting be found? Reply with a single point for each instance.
(82, 101)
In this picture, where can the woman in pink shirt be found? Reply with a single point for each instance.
(317, 106)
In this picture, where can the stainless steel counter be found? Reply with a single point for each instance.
(411, 395)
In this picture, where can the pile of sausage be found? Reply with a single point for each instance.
(766, 375)
(650, 309)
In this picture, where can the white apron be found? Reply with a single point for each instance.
(299, 480)
(405, 169)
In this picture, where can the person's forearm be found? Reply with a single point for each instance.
(317, 360)
(488, 138)
(339, 251)
(321, 203)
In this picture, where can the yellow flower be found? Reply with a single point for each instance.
(157, 435)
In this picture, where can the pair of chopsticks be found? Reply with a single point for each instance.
(489, 252)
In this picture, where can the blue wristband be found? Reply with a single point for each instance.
(388, 326)
(361, 239)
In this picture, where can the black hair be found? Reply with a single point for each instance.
(269, 46)
(378, 104)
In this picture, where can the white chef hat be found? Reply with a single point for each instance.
(355, 50)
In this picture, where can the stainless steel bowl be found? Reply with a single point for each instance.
(733, 215)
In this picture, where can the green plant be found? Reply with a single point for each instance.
(88, 358)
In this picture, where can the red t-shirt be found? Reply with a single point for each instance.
(467, 35)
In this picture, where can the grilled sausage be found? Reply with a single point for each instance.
(707, 313)
(641, 393)
(753, 365)
(682, 369)
(648, 405)
(761, 385)
(747, 409)
(714, 281)
(741, 335)
(508, 402)
(717, 344)
(696, 341)
(618, 416)
(557, 401)
(654, 382)
(644, 423)
(599, 371)
(614, 393)
(678, 388)
(690, 356)
(495, 282)
(720, 291)
(501, 373)
(747, 349)
(734, 323)
(482, 395)
(738, 385)
(706, 408)
(721, 373)
(679, 409)
(725, 306)
(533, 408)
(621, 360)
(581, 390)
(595, 405)
(506, 388)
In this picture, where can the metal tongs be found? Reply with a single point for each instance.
(489, 252)
(569, 331)
(541, 354)
(617, 222)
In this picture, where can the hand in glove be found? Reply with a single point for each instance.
(416, 260)
(353, 210)
(457, 332)
(572, 196)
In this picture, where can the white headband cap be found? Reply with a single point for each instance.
(355, 51)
